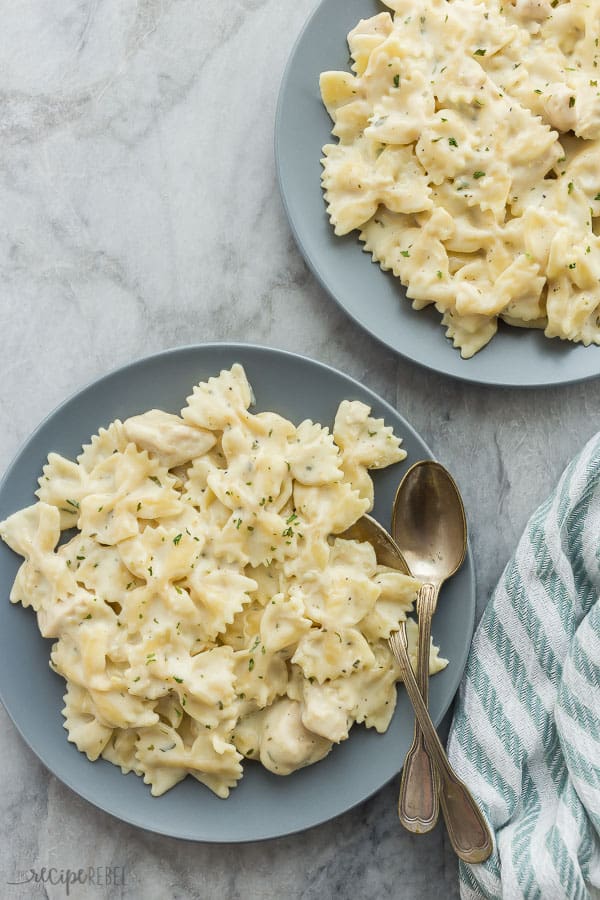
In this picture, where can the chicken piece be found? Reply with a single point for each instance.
(168, 437)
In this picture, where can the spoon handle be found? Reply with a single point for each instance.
(418, 804)
(467, 829)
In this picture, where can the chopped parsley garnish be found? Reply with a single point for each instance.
(480, 52)
(572, 265)
(478, 174)
(250, 664)
(396, 81)
(452, 142)
(155, 480)
(177, 538)
(571, 102)
(570, 187)
(439, 274)
(404, 253)
(73, 503)
(291, 518)
(178, 680)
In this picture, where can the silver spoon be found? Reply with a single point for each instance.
(430, 528)
(467, 829)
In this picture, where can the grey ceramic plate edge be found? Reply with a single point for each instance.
(515, 357)
(109, 791)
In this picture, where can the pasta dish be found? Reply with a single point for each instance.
(467, 158)
(201, 606)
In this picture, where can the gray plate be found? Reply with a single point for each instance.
(263, 805)
(374, 299)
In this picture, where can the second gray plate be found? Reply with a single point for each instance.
(374, 299)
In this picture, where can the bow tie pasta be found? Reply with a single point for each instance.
(205, 611)
(467, 158)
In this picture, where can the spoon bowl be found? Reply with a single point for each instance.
(428, 522)
(386, 550)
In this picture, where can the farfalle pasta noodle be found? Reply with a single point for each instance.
(468, 139)
(205, 610)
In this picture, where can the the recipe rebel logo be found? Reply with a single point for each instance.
(95, 876)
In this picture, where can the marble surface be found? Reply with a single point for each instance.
(141, 211)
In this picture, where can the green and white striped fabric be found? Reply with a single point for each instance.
(526, 730)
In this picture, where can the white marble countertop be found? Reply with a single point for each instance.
(141, 211)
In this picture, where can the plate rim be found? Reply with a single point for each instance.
(155, 828)
(323, 280)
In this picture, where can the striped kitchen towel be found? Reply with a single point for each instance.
(526, 730)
